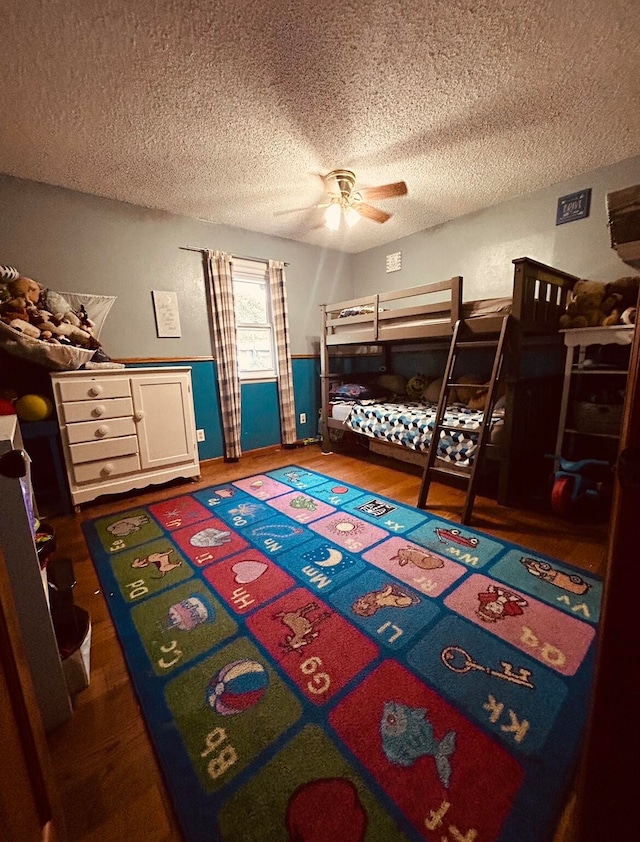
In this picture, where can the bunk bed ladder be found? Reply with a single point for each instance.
(467, 476)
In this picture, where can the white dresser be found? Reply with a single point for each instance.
(125, 428)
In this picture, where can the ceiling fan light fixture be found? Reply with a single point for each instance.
(332, 216)
(351, 216)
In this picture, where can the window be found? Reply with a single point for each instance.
(254, 327)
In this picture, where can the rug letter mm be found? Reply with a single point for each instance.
(315, 662)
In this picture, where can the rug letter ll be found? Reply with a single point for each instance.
(315, 662)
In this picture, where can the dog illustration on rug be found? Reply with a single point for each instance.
(161, 561)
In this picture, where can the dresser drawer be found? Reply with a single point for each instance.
(99, 430)
(107, 449)
(85, 390)
(89, 410)
(106, 468)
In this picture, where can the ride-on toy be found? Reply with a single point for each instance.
(581, 486)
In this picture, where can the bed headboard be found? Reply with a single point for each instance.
(433, 310)
(540, 295)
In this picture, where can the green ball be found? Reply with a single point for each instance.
(33, 408)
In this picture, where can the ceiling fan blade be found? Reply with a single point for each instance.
(385, 191)
(372, 213)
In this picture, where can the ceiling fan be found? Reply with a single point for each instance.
(351, 204)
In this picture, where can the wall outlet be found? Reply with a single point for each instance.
(200, 435)
(303, 417)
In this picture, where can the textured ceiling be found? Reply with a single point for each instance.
(229, 111)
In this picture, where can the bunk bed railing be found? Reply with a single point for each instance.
(389, 319)
(540, 295)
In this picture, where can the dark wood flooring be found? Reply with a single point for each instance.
(107, 775)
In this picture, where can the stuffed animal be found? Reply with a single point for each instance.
(416, 386)
(26, 311)
(585, 307)
(593, 303)
(463, 394)
(621, 297)
(395, 383)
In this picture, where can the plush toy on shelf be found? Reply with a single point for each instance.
(594, 303)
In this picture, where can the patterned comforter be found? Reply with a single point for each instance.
(411, 425)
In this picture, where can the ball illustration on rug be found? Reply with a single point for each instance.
(237, 687)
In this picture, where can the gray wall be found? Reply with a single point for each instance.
(80, 243)
(72, 241)
(481, 246)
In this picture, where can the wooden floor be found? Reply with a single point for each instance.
(107, 775)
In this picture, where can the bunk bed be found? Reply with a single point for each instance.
(371, 330)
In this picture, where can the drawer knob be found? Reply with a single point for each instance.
(98, 411)
(102, 430)
(107, 469)
(96, 390)
(138, 415)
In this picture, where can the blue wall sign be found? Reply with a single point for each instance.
(574, 206)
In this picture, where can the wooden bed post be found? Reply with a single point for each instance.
(324, 381)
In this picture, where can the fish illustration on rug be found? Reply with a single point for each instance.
(407, 734)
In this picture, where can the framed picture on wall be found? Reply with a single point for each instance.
(165, 307)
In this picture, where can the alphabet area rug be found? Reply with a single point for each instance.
(316, 662)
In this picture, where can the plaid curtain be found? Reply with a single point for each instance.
(285, 376)
(217, 272)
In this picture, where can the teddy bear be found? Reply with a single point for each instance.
(594, 303)
(621, 300)
(585, 307)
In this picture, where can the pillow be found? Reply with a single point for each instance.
(478, 399)
(394, 383)
(360, 310)
(358, 391)
(464, 395)
(432, 392)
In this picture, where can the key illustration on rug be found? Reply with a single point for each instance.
(459, 661)
(407, 734)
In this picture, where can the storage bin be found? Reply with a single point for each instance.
(73, 632)
(591, 417)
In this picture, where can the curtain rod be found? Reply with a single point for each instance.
(237, 256)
